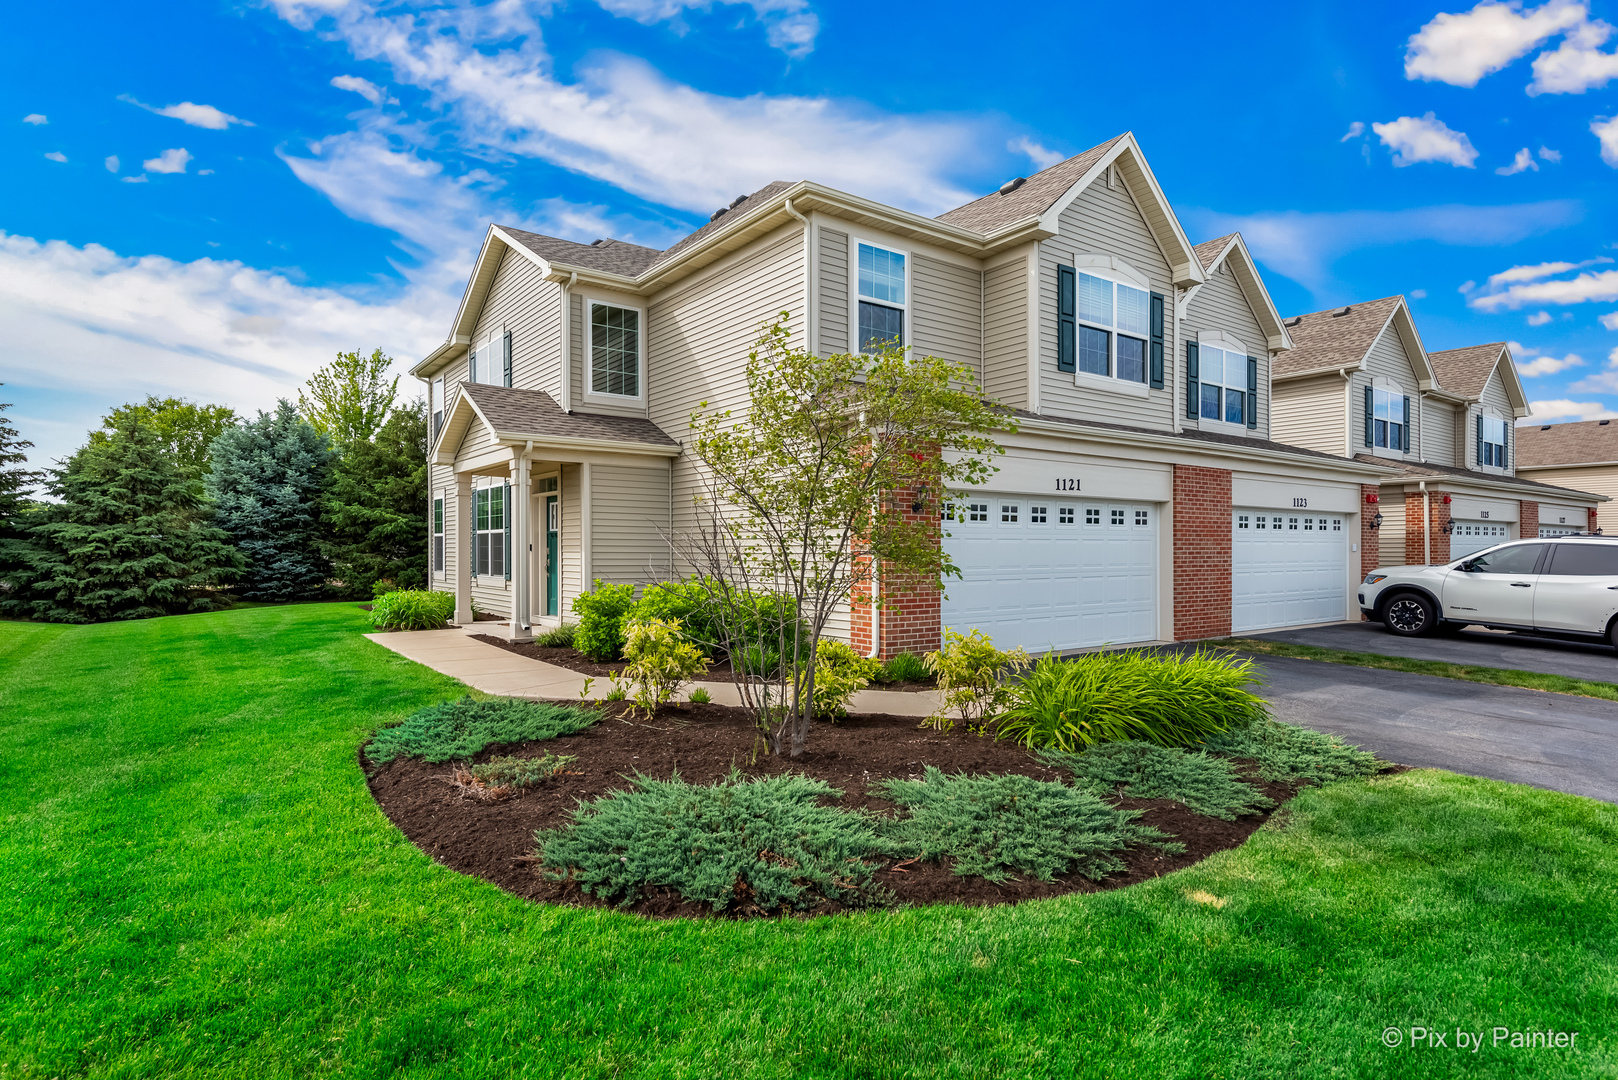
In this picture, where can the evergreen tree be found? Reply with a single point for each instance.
(266, 483)
(376, 507)
(184, 428)
(130, 538)
(349, 398)
(16, 482)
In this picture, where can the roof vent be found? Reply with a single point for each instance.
(1547, 427)
(719, 213)
(597, 243)
(1012, 185)
(1340, 314)
(1295, 320)
(737, 201)
(1603, 423)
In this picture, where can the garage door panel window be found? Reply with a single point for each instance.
(1470, 536)
(1287, 569)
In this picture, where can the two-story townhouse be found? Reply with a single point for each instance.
(1582, 455)
(1360, 383)
(1142, 497)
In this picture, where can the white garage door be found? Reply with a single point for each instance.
(1557, 530)
(1470, 536)
(1288, 568)
(1043, 574)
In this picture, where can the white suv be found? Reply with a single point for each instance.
(1561, 587)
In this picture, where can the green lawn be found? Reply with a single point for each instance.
(195, 881)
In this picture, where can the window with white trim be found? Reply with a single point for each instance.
(1494, 442)
(489, 531)
(1114, 325)
(1389, 420)
(615, 350)
(435, 394)
(486, 360)
(882, 298)
(438, 535)
(1222, 382)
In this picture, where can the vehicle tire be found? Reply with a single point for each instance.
(1409, 615)
(1612, 634)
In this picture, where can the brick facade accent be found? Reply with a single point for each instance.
(1202, 542)
(1416, 547)
(1527, 520)
(911, 616)
(1594, 526)
(1370, 538)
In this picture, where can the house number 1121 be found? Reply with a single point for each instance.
(1067, 485)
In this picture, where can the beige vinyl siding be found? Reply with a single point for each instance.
(832, 293)
(441, 485)
(1495, 402)
(1392, 542)
(1220, 305)
(1105, 221)
(1309, 413)
(1005, 333)
(571, 565)
(1596, 479)
(530, 309)
(478, 438)
(944, 311)
(575, 347)
(630, 511)
(1438, 439)
(1388, 360)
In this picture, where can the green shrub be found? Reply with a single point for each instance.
(1287, 753)
(501, 777)
(684, 602)
(381, 587)
(699, 696)
(996, 826)
(840, 673)
(412, 609)
(660, 660)
(558, 637)
(764, 844)
(1171, 700)
(459, 729)
(600, 635)
(969, 669)
(1206, 785)
(906, 667)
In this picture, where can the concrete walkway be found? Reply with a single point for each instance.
(494, 670)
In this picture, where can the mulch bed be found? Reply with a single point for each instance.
(495, 840)
(574, 660)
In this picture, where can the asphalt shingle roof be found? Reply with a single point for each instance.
(611, 256)
(1329, 339)
(1427, 468)
(1567, 444)
(1192, 436)
(1036, 195)
(1210, 250)
(533, 412)
(1466, 371)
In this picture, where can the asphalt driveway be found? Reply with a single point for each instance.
(1525, 736)
(1486, 648)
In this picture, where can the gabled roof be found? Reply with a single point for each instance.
(513, 415)
(1208, 251)
(1231, 251)
(1342, 337)
(737, 212)
(612, 256)
(1031, 198)
(1587, 442)
(1467, 371)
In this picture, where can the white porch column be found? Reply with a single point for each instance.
(521, 554)
(465, 546)
(586, 537)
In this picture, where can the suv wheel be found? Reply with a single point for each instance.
(1409, 615)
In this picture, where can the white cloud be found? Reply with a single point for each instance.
(1606, 129)
(1466, 287)
(1585, 288)
(35, 118)
(789, 24)
(626, 124)
(1427, 138)
(170, 161)
(1418, 294)
(1610, 320)
(57, 156)
(1521, 163)
(1540, 270)
(1549, 365)
(1041, 157)
(1562, 408)
(1602, 382)
(202, 116)
(1355, 130)
(365, 88)
(1547, 154)
(141, 179)
(1461, 49)
(1539, 318)
(1578, 64)
(1303, 246)
(1519, 349)
(112, 163)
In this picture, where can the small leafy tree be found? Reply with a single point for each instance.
(129, 538)
(267, 479)
(375, 509)
(183, 429)
(349, 398)
(839, 466)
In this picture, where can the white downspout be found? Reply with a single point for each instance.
(1426, 525)
(808, 280)
(567, 343)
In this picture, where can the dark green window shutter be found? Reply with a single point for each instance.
(1252, 392)
(1406, 446)
(472, 541)
(505, 514)
(506, 348)
(1506, 435)
(1066, 309)
(1370, 415)
(471, 365)
(1480, 438)
(1191, 389)
(1155, 372)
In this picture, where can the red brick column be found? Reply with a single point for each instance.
(1370, 537)
(911, 615)
(1594, 524)
(1416, 547)
(1202, 542)
(1527, 520)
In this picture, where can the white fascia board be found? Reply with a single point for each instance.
(438, 356)
(1426, 378)
(625, 446)
(1275, 334)
(1495, 487)
(1511, 381)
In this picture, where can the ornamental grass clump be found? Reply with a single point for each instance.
(740, 845)
(460, 729)
(502, 777)
(412, 609)
(661, 660)
(997, 826)
(1141, 770)
(1292, 754)
(906, 667)
(1170, 700)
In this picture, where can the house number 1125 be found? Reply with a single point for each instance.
(1067, 485)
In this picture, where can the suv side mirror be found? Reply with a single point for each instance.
(1468, 566)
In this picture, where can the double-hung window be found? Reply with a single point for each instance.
(1493, 444)
(882, 298)
(438, 535)
(489, 361)
(1388, 415)
(615, 350)
(489, 525)
(1114, 324)
(1222, 384)
(435, 393)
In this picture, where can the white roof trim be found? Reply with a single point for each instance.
(1276, 336)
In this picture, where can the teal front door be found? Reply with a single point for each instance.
(553, 603)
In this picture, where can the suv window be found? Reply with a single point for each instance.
(1584, 560)
(1511, 560)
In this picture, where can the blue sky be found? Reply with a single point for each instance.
(210, 199)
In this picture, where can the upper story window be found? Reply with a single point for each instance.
(1114, 325)
(615, 351)
(1387, 418)
(1492, 442)
(1223, 384)
(882, 298)
(489, 361)
(435, 396)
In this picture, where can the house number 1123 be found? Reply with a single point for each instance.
(1067, 485)
(1300, 504)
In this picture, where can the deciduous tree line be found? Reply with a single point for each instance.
(173, 507)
